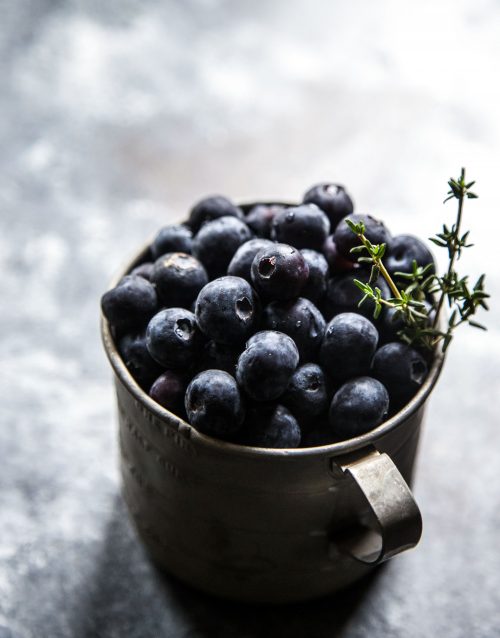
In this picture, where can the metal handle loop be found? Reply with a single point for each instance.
(396, 522)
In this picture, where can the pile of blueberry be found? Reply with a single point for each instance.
(246, 323)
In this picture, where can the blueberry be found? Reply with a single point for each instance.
(393, 321)
(299, 319)
(307, 392)
(211, 208)
(144, 270)
(333, 199)
(270, 426)
(348, 346)
(345, 239)
(304, 226)
(358, 406)
(264, 368)
(168, 390)
(176, 238)
(401, 369)
(173, 338)
(337, 262)
(140, 364)
(241, 263)
(261, 216)
(214, 405)
(228, 310)
(279, 272)
(217, 241)
(342, 295)
(405, 249)
(178, 278)
(315, 285)
(130, 304)
(219, 356)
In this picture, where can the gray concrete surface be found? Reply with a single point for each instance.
(115, 117)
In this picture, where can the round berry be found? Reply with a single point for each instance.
(333, 199)
(217, 241)
(214, 405)
(168, 390)
(401, 369)
(270, 426)
(337, 262)
(241, 263)
(342, 295)
(403, 251)
(357, 407)
(173, 338)
(140, 364)
(300, 320)
(178, 278)
(211, 208)
(228, 310)
(176, 238)
(315, 285)
(144, 270)
(304, 226)
(279, 272)
(130, 304)
(348, 346)
(345, 239)
(260, 218)
(265, 366)
(307, 392)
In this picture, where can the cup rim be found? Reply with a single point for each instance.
(332, 449)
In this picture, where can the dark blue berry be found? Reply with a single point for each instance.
(241, 263)
(403, 250)
(337, 262)
(228, 310)
(173, 338)
(270, 426)
(178, 278)
(144, 270)
(176, 238)
(211, 208)
(333, 199)
(279, 272)
(307, 392)
(392, 321)
(304, 226)
(130, 304)
(168, 390)
(348, 346)
(299, 319)
(219, 356)
(315, 286)
(217, 241)
(265, 366)
(357, 407)
(214, 405)
(401, 369)
(260, 218)
(345, 239)
(342, 295)
(140, 364)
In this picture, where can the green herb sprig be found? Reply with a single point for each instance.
(421, 300)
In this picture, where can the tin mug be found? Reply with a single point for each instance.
(265, 525)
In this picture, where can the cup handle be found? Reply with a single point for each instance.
(394, 523)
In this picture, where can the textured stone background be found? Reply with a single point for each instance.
(115, 117)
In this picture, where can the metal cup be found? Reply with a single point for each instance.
(265, 525)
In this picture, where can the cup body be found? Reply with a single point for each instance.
(247, 523)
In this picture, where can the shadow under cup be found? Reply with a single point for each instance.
(265, 525)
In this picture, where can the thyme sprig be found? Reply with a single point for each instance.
(420, 301)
